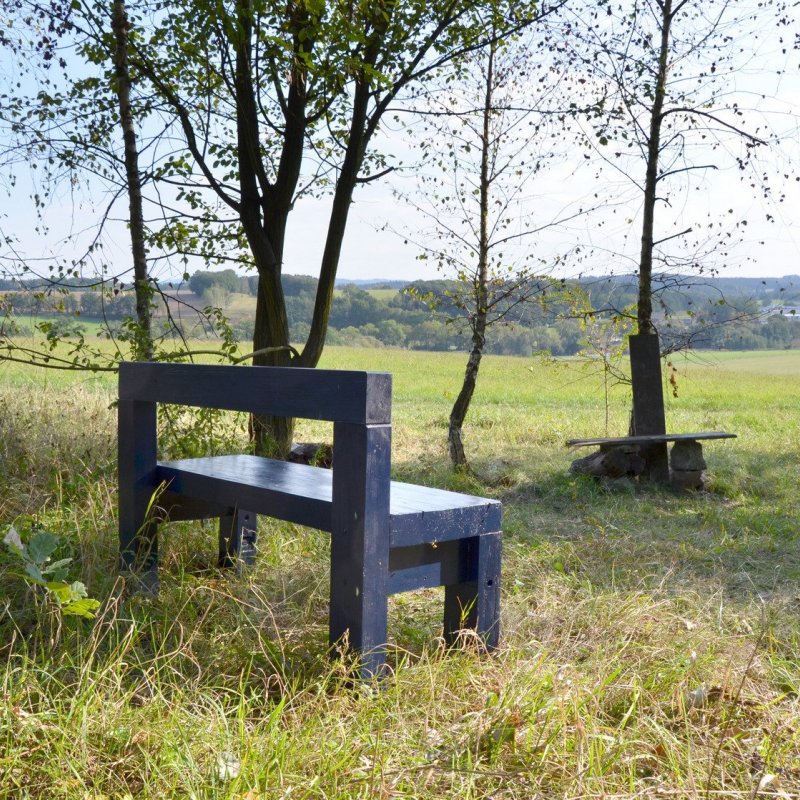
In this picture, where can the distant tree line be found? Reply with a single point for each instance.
(90, 303)
(718, 313)
(728, 314)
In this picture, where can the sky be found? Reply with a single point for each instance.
(380, 225)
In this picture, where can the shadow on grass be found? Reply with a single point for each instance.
(739, 535)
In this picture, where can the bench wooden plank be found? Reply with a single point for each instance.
(292, 492)
(651, 439)
(303, 495)
(334, 395)
(426, 566)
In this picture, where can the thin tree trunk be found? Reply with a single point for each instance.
(462, 403)
(648, 406)
(143, 344)
(645, 300)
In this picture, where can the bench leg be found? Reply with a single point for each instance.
(237, 539)
(360, 542)
(358, 612)
(476, 604)
(138, 540)
(138, 532)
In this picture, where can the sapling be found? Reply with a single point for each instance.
(70, 598)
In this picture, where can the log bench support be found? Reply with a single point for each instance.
(625, 456)
(386, 536)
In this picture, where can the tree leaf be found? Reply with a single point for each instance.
(34, 573)
(85, 607)
(41, 546)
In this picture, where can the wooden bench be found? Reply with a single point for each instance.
(386, 536)
(686, 455)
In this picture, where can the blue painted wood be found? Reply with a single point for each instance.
(294, 492)
(363, 397)
(237, 539)
(386, 536)
(174, 507)
(426, 566)
(303, 494)
(359, 580)
(136, 460)
(475, 602)
(489, 557)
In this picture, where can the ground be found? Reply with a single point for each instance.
(650, 639)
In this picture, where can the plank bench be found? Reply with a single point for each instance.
(386, 536)
(686, 455)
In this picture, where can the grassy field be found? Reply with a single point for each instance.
(650, 639)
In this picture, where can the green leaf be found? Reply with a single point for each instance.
(61, 591)
(34, 572)
(41, 546)
(78, 589)
(84, 607)
(57, 566)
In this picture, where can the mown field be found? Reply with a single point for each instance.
(650, 639)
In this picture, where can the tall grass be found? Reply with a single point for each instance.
(650, 639)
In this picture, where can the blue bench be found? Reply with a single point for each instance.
(386, 536)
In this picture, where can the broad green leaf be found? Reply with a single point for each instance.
(41, 546)
(85, 607)
(78, 589)
(56, 566)
(61, 591)
(34, 572)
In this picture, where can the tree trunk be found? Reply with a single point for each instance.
(648, 417)
(645, 300)
(143, 342)
(274, 434)
(461, 405)
(264, 211)
(265, 206)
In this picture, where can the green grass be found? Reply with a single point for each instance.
(650, 639)
(383, 294)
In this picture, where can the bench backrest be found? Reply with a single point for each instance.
(323, 394)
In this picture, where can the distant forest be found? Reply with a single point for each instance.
(715, 313)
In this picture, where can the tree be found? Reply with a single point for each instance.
(143, 333)
(277, 101)
(482, 142)
(69, 129)
(670, 113)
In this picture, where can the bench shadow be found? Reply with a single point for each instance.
(271, 620)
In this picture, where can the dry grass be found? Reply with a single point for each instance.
(650, 640)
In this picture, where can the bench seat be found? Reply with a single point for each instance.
(652, 438)
(303, 495)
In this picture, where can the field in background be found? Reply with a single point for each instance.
(650, 639)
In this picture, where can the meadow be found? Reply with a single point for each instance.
(650, 638)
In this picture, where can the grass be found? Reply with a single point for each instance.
(650, 639)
